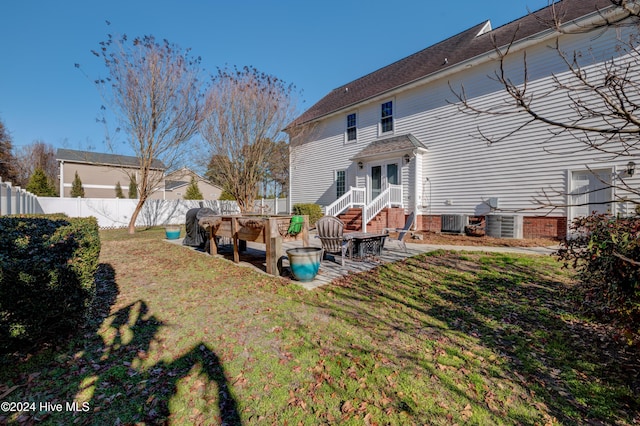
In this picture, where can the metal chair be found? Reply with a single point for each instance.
(331, 234)
(402, 232)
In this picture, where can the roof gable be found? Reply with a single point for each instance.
(474, 42)
(115, 160)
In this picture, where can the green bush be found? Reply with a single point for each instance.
(47, 267)
(314, 212)
(605, 251)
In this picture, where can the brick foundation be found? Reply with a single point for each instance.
(544, 227)
(430, 223)
(387, 218)
(532, 226)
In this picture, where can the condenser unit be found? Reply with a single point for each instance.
(453, 223)
(504, 226)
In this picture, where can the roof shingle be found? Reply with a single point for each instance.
(457, 49)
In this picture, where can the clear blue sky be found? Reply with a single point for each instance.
(316, 45)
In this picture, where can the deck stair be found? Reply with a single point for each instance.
(352, 219)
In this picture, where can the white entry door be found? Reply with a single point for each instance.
(590, 192)
(382, 175)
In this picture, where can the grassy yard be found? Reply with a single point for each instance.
(439, 339)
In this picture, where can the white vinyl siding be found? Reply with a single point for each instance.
(463, 171)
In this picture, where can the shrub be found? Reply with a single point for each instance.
(47, 267)
(605, 252)
(314, 212)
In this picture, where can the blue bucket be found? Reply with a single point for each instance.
(305, 262)
(172, 234)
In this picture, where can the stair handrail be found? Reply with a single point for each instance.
(354, 197)
(392, 195)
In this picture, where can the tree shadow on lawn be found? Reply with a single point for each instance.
(107, 374)
(573, 368)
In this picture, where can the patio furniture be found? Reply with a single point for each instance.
(331, 234)
(366, 244)
(402, 232)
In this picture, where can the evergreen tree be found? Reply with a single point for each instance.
(193, 192)
(119, 193)
(76, 187)
(8, 170)
(39, 184)
(133, 187)
(226, 196)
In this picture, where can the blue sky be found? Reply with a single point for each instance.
(316, 45)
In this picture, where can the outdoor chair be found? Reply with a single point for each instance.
(331, 234)
(402, 232)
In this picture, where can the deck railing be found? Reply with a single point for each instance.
(391, 196)
(352, 198)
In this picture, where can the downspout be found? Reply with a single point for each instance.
(415, 190)
(61, 178)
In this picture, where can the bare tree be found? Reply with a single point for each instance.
(249, 110)
(37, 154)
(597, 101)
(155, 93)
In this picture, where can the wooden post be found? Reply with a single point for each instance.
(234, 236)
(273, 245)
(305, 231)
(213, 248)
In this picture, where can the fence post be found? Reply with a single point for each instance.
(18, 200)
(9, 198)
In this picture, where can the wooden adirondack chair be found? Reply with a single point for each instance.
(331, 234)
(402, 232)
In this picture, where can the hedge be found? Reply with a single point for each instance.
(314, 211)
(47, 267)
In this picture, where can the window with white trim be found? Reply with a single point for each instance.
(352, 132)
(386, 117)
(341, 183)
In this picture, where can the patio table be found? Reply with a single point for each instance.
(365, 244)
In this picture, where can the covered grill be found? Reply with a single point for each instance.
(196, 235)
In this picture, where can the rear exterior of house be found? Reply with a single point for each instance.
(100, 173)
(177, 183)
(396, 139)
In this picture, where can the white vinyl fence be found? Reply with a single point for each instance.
(116, 213)
(15, 200)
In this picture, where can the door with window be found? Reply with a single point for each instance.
(381, 176)
(590, 192)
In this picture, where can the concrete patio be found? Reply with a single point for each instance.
(331, 269)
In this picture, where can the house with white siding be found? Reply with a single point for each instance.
(397, 141)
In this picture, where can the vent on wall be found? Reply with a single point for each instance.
(453, 223)
(504, 226)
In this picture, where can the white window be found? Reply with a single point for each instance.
(341, 183)
(386, 117)
(352, 132)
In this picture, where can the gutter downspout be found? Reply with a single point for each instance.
(61, 178)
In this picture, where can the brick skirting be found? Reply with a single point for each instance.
(532, 226)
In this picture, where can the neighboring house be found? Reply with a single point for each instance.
(100, 173)
(176, 185)
(395, 138)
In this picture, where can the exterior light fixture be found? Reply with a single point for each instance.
(631, 168)
(360, 165)
(407, 158)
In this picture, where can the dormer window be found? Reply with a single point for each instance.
(386, 117)
(352, 132)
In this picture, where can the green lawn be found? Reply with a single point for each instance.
(445, 338)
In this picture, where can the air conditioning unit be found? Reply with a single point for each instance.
(453, 223)
(504, 226)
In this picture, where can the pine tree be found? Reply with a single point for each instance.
(119, 193)
(133, 187)
(193, 192)
(39, 184)
(76, 187)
